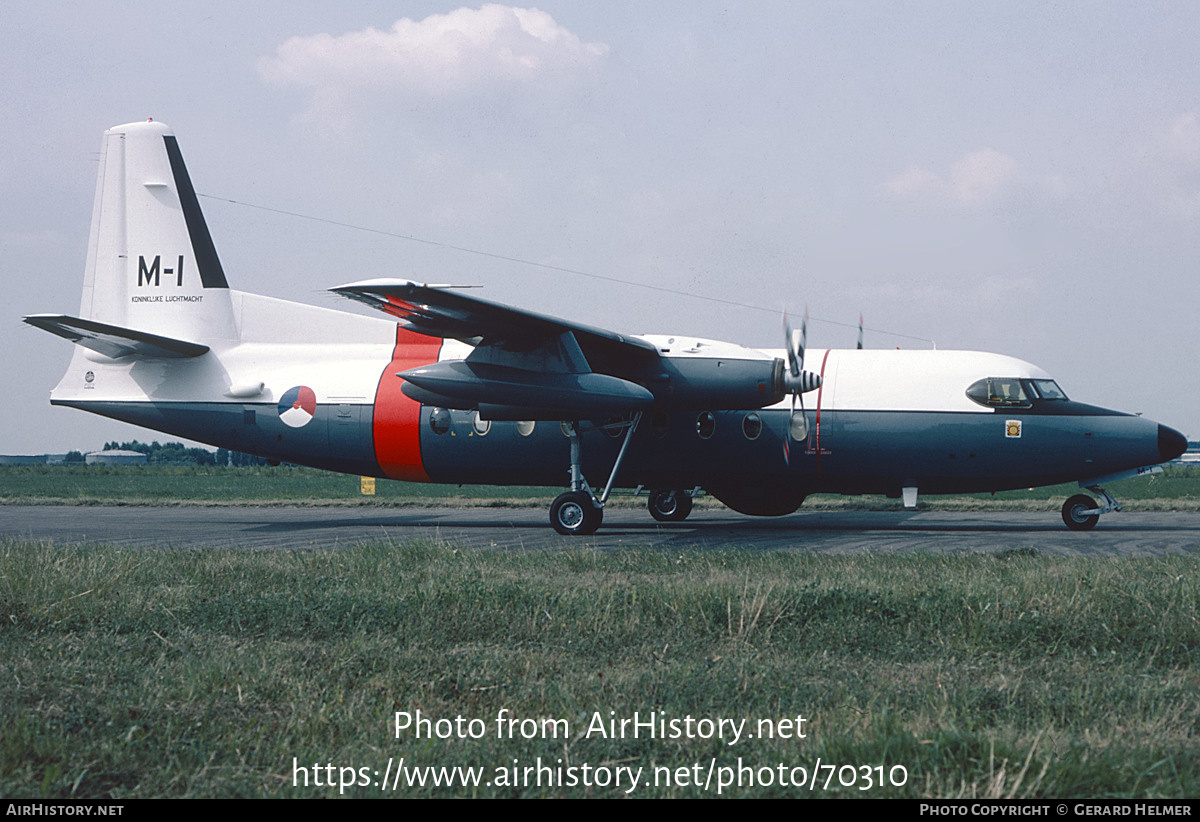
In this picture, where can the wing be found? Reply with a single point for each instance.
(523, 365)
(441, 312)
(530, 366)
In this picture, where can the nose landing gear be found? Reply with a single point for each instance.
(1082, 513)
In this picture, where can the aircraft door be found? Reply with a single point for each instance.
(347, 431)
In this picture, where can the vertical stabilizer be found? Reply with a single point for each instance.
(151, 262)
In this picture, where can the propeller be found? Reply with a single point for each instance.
(796, 380)
(860, 330)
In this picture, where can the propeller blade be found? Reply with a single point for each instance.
(860, 331)
(797, 379)
(795, 342)
(803, 337)
(789, 342)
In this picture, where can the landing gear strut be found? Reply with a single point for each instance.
(579, 511)
(1081, 512)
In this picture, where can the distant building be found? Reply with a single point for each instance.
(1190, 458)
(22, 459)
(115, 458)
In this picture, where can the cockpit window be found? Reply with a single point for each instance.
(1048, 389)
(1000, 392)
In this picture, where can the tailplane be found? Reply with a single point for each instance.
(153, 285)
(114, 341)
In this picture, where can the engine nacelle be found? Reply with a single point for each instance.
(717, 384)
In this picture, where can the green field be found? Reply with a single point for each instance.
(174, 485)
(1177, 489)
(133, 673)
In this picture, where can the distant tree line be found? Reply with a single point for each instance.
(165, 453)
(176, 453)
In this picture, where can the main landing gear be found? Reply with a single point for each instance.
(670, 506)
(1081, 512)
(579, 511)
(576, 512)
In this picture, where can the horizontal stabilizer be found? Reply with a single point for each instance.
(114, 341)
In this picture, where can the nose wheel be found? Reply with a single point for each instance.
(1080, 513)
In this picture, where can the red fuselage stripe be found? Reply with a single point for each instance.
(397, 419)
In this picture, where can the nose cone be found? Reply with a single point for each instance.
(1171, 443)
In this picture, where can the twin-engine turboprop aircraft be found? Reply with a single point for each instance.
(455, 389)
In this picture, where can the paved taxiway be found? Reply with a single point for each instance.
(1121, 534)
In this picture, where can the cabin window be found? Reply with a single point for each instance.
(999, 392)
(480, 425)
(752, 426)
(439, 421)
(525, 428)
(706, 425)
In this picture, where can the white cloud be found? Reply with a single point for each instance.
(1181, 171)
(447, 55)
(981, 176)
(975, 180)
(1184, 138)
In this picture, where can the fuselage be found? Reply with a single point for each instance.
(881, 421)
(456, 389)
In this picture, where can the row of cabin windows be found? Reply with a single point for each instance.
(992, 392)
(440, 422)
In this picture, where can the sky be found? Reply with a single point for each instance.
(1014, 177)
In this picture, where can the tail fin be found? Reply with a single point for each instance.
(151, 264)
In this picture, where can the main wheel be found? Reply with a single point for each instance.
(574, 513)
(1074, 513)
(669, 506)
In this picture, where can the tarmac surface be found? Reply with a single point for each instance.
(1118, 534)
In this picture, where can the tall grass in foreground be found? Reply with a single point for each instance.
(131, 672)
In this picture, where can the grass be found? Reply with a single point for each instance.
(152, 673)
(1175, 489)
(188, 485)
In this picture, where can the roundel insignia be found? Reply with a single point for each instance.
(298, 406)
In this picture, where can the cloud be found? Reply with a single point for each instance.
(1179, 171)
(975, 180)
(1183, 137)
(464, 52)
